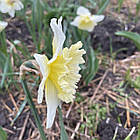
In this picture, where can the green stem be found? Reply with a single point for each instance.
(63, 135)
(34, 111)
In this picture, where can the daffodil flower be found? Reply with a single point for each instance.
(85, 20)
(60, 73)
(10, 6)
(135, 1)
(3, 25)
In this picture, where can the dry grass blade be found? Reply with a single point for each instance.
(7, 130)
(70, 108)
(23, 128)
(13, 101)
(99, 85)
(75, 130)
(7, 107)
(127, 112)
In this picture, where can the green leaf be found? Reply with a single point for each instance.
(34, 111)
(3, 134)
(2, 59)
(92, 66)
(63, 135)
(120, 3)
(23, 49)
(63, 4)
(131, 35)
(20, 111)
(104, 6)
(3, 47)
(4, 72)
(133, 83)
(138, 137)
(137, 82)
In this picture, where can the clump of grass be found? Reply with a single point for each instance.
(132, 82)
(3, 134)
(92, 118)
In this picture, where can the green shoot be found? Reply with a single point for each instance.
(3, 134)
(130, 35)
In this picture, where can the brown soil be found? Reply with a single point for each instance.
(100, 91)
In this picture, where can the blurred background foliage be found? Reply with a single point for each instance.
(37, 15)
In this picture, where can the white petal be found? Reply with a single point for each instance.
(3, 24)
(59, 22)
(59, 37)
(18, 5)
(52, 102)
(98, 18)
(76, 21)
(12, 13)
(90, 29)
(41, 90)
(42, 61)
(3, 7)
(83, 11)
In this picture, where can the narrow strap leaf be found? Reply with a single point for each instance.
(104, 6)
(135, 37)
(138, 137)
(34, 111)
(92, 66)
(4, 72)
(20, 111)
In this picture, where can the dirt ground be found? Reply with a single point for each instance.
(121, 102)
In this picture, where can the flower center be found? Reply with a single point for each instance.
(84, 21)
(57, 69)
(10, 2)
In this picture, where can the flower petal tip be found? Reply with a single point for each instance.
(83, 11)
(3, 25)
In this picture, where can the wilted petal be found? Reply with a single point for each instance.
(83, 11)
(52, 102)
